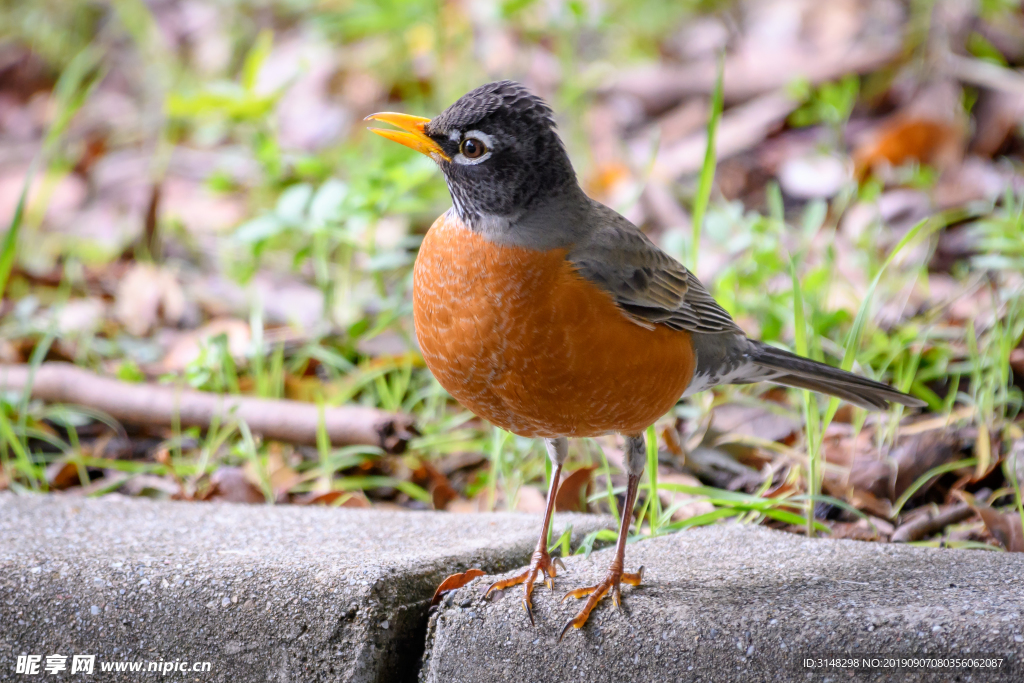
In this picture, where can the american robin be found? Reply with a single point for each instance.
(552, 316)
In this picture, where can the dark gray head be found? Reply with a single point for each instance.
(503, 155)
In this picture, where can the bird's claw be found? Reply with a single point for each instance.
(611, 583)
(542, 564)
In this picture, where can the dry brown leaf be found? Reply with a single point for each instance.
(62, 475)
(886, 476)
(574, 490)
(752, 420)
(530, 500)
(441, 490)
(998, 116)
(1005, 527)
(9, 352)
(81, 316)
(904, 139)
(146, 295)
(1017, 362)
(919, 453)
(454, 582)
(670, 437)
(453, 462)
(857, 531)
(345, 499)
(187, 347)
(877, 507)
(279, 473)
(231, 485)
(606, 180)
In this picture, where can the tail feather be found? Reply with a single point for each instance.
(804, 373)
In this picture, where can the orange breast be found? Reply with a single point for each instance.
(519, 338)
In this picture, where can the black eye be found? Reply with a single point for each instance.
(472, 148)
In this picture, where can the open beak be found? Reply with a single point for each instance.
(411, 135)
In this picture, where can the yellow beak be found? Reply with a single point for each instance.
(411, 135)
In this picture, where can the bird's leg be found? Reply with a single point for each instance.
(541, 563)
(635, 458)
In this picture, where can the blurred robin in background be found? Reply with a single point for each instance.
(552, 316)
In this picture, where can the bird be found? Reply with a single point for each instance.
(552, 316)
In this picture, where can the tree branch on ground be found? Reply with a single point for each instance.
(165, 405)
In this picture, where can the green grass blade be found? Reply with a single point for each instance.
(707, 171)
(704, 519)
(926, 477)
(810, 408)
(923, 228)
(10, 244)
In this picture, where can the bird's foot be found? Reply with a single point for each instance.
(542, 564)
(611, 583)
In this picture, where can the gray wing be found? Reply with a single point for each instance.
(650, 287)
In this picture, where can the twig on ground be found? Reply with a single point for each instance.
(153, 404)
(927, 524)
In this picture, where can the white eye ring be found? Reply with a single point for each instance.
(482, 137)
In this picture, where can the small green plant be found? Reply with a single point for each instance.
(830, 104)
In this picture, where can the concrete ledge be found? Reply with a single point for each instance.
(264, 594)
(730, 602)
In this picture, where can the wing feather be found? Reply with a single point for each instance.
(650, 287)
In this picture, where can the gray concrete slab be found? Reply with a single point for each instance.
(736, 603)
(262, 593)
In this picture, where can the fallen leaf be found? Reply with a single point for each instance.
(344, 499)
(574, 490)
(753, 420)
(441, 490)
(856, 531)
(530, 500)
(998, 116)
(61, 475)
(1017, 362)
(146, 295)
(919, 453)
(279, 473)
(452, 463)
(670, 437)
(877, 507)
(606, 181)
(80, 316)
(904, 139)
(888, 475)
(454, 582)
(188, 346)
(1005, 527)
(230, 484)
